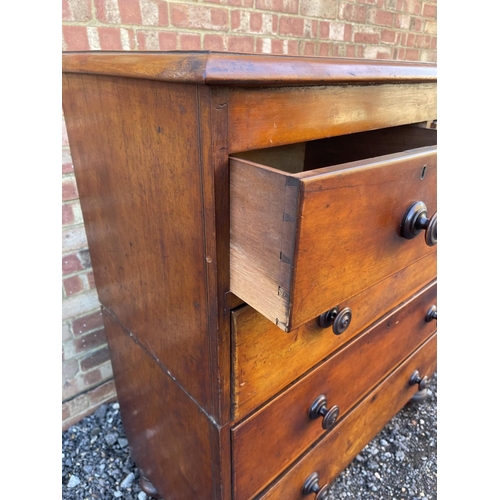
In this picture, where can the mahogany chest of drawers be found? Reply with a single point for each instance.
(263, 235)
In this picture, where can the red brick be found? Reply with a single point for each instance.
(89, 341)
(67, 15)
(394, 5)
(366, 38)
(71, 264)
(103, 394)
(75, 38)
(69, 189)
(381, 17)
(411, 55)
(235, 19)
(95, 359)
(190, 42)
(291, 26)
(429, 10)
(179, 15)
(347, 32)
(293, 47)
(240, 44)
(92, 378)
(434, 42)
(410, 40)
(388, 36)
(109, 38)
(100, 8)
(68, 216)
(87, 323)
(324, 49)
(130, 11)
(219, 17)
(324, 29)
(213, 42)
(73, 285)
(256, 22)
(163, 18)
(353, 13)
(277, 46)
(310, 28)
(167, 41)
(416, 24)
(91, 280)
(309, 48)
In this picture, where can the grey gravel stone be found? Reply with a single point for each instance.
(398, 464)
(73, 481)
(127, 482)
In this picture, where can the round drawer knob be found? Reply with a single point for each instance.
(432, 314)
(423, 383)
(415, 220)
(338, 320)
(312, 486)
(319, 409)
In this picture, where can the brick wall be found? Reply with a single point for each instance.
(378, 29)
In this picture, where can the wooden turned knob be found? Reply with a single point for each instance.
(319, 409)
(312, 486)
(415, 220)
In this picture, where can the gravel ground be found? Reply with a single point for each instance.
(399, 464)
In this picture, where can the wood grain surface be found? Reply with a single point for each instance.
(302, 242)
(269, 440)
(266, 359)
(268, 117)
(357, 429)
(170, 437)
(224, 68)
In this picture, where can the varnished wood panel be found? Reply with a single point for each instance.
(135, 147)
(225, 68)
(269, 440)
(331, 455)
(302, 242)
(267, 117)
(266, 359)
(171, 439)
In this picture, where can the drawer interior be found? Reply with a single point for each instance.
(305, 156)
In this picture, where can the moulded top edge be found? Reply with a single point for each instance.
(224, 68)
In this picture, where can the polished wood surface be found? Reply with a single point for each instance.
(266, 117)
(266, 359)
(170, 436)
(357, 429)
(140, 185)
(223, 68)
(150, 137)
(268, 441)
(302, 243)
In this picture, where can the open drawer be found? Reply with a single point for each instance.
(315, 223)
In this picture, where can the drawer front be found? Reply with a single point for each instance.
(266, 359)
(334, 453)
(270, 439)
(301, 242)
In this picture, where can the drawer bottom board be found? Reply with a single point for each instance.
(356, 429)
